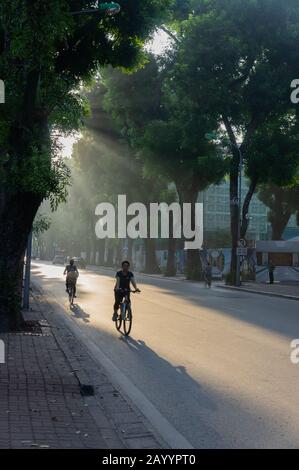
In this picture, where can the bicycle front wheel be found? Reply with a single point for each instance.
(119, 321)
(128, 321)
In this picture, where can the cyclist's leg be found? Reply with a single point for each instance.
(118, 296)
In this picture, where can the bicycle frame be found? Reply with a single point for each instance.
(124, 304)
(125, 315)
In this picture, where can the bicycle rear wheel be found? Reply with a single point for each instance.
(71, 294)
(119, 320)
(128, 321)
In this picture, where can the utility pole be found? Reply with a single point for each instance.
(238, 271)
(27, 273)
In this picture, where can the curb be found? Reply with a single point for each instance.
(121, 422)
(252, 291)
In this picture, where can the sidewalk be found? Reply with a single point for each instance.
(103, 269)
(287, 291)
(282, 290)
(52, 395)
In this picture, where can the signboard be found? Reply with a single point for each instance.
(241, 251)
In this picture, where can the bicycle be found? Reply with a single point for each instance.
(71, 293)
(125, 316)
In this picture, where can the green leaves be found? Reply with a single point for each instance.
(47, 54)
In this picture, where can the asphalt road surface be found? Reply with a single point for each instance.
(208, 367)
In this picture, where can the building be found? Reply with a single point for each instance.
(281, 253)
(292, 229)
(216, 200)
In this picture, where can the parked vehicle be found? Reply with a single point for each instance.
(59, 259)
(80, 262)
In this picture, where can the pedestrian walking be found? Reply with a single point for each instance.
(271, 269)
(208, 275)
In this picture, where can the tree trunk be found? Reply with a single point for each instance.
(130, 250)
(193, 267)
(171, 261)
(234, 185)
(248, 198)
(151, 265)
(279, 224)
(281, 207)
(234, 214)
(17, 213)
(110, 256)
(279, 218)
(18, 207)
(101, 249)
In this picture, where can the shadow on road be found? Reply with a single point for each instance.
(78, 312)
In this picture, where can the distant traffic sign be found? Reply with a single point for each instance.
(241, 251)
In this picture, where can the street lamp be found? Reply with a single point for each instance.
(106, 8)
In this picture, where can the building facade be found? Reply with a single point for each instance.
(216, 201)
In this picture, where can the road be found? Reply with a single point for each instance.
(212, 366)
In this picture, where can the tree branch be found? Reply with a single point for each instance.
(170, 34)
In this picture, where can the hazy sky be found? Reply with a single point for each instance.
(160, 42)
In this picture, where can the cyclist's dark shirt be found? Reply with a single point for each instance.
(124, 279)
(71, 268)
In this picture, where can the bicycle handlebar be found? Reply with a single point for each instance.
(129, 290)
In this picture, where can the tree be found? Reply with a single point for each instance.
(103, 167)
(273, 168)
(169, 133)
(282, 202)
(45, 54)
(131, 178)
(238, 70)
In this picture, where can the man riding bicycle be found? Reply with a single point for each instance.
(124, 279)
(72, 274)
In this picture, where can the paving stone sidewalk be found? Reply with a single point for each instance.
(45, 399)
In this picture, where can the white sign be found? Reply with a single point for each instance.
(242, 251)
(2, 352)
(143, 224)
